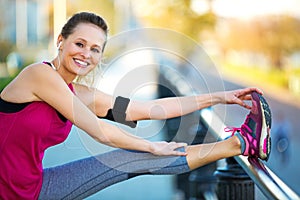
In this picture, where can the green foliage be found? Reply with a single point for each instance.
(4, 82)
(257, 76)
(6, 47)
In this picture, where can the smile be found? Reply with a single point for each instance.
(81, 63)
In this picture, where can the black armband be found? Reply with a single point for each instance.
(118, 112)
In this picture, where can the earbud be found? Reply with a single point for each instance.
(59, 44)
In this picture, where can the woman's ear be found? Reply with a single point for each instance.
(59, 41)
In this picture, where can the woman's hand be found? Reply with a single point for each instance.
(167, 148)
(239, 96)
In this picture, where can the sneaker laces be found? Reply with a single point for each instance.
(232, 130)
(243, 127)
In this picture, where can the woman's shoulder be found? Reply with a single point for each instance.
(31, 77)
(19, 90)
(39, 73)
(37, 68)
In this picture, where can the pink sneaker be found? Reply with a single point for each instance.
(256, 129)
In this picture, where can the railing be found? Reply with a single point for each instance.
(270, 185)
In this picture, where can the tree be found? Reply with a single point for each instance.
(273, 36)
(176, 15)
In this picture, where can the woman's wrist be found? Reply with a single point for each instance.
(151, 147)
(211, 99)
(217, 98)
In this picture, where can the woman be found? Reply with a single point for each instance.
(38, 108)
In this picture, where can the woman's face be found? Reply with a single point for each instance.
(81, 52)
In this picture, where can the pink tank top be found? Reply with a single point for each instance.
(24, 136)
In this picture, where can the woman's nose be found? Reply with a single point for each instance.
(86, 53)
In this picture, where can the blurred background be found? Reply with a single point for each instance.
(251, 42)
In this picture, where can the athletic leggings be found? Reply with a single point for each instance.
(82, 178)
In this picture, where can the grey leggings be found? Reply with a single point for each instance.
(82, 178)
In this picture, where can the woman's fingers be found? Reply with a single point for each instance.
(169, 148)
(179, 145)
(240, 96)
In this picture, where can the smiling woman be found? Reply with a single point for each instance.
(42, 103)
(78, 55)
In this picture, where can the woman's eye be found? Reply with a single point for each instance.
(79, 44)
(95, 50)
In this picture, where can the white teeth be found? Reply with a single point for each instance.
(81, 62)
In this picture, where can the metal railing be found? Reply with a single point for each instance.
(270, 185)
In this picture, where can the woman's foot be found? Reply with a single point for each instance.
(254, 134)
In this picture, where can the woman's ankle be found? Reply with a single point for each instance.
(238, 144)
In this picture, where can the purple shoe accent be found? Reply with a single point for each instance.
(256, 129)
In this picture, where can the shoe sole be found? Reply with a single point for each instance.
(265, 138)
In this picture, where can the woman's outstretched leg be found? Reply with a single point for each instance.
(202, 154)
(82, 178)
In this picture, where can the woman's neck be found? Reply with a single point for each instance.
(63, 72)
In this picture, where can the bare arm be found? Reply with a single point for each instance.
(98, 102)
(177, 106)
(52, 89)
(163, 108)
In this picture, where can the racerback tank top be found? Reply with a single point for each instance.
(24, 136)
